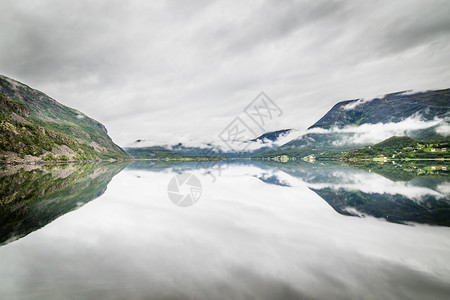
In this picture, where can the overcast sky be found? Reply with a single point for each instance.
(183, 70)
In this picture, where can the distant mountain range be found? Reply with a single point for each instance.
(272, 136)
(35, 127)
(348, 125)
(265, 142)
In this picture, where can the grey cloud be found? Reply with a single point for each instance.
(271, 21)
(419, 24)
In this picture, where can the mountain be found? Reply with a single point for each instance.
(357, 123)
(272, 136)
(35, 127)
(396, 142)
(392, 108)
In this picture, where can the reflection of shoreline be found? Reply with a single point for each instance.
(12, 168)
(403, 171)
(34, 196)
(293, 159)
(393, 208)
(389, 159)
(383, 191)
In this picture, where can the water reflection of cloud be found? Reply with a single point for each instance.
(243, 239)
(376, 184)
(444, 188)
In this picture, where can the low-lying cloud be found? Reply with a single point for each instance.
(374, 133)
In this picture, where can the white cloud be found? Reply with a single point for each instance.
(444, 128)
(354, 104)
(444, 188)
(373, 133)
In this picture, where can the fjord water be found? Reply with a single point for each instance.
(259, 231)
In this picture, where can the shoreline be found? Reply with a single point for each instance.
(202, 158)
(183, 159)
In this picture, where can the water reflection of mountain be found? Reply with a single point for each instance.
(371, 190)
(272, 179)
(32, 196)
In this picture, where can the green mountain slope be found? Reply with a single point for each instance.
(402, 147)
(396, 141)
(35, 127)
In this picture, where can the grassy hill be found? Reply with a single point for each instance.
(402, 147)
(396, 142)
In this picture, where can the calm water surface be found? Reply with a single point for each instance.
(258, 231)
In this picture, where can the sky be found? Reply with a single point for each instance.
(181, 71)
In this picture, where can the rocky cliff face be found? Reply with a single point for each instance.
(35, 127)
